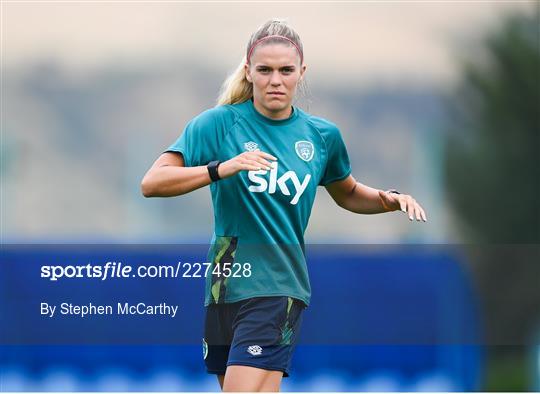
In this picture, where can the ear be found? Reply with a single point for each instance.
(248, 74)
(302, 71)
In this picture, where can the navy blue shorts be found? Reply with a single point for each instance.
(259, 332)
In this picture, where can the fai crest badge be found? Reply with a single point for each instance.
(304, 149)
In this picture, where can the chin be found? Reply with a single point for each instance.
(276, 105)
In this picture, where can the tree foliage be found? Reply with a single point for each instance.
(492, 167)
(493, 183)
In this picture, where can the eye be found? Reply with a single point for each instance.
(287, 70)
(264, 70)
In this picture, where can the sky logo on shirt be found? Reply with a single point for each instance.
(274, 183)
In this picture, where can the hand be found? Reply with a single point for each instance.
(393, 202)
(246, 161)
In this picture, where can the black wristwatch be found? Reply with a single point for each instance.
(213, 170)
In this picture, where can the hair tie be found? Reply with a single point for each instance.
(274, 36)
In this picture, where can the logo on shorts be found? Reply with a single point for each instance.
(204, 349)
(251, 146)
(304, 150)
(255, 350)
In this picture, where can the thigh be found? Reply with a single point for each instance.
(272, 382)
(246, 378)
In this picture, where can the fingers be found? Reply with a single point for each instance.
(265, 155)
(419, 212)
(250, 167)
(422, 214)
(255, 165)
(258, 158)
(259, 162)
(403, 204)
(407, 204)
(247, 161)
(412, 208)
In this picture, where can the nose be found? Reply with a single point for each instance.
(276, 78)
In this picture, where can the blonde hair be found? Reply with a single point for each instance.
(236, 88)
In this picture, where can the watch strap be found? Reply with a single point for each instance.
(213, 170)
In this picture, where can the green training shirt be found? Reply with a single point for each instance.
(261, 216)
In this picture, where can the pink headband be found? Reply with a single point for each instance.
(274, 36)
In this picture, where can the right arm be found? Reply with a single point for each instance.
(169, 177)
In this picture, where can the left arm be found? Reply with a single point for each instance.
(356, 197)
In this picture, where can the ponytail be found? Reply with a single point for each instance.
(236, 89)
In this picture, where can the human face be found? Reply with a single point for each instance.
(275, 71)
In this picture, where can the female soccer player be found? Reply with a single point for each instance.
(263, 159)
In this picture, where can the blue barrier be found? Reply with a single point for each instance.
(404, 318)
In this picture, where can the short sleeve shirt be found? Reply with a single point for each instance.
(261, 216)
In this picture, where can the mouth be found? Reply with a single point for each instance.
(276, 94)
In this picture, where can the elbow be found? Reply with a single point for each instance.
(152, 188)
(147, 189)
(343, 204)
